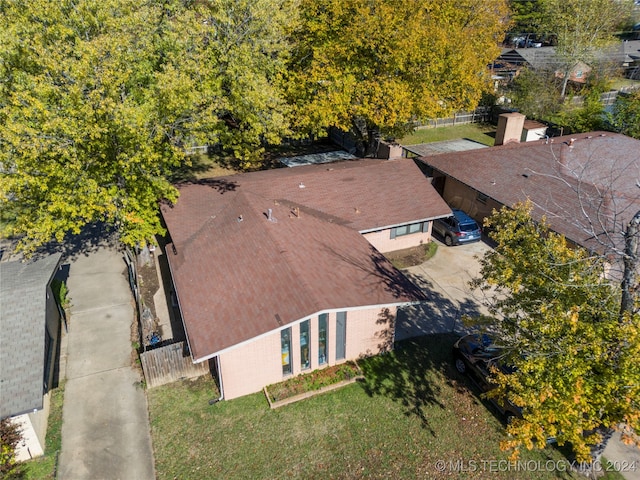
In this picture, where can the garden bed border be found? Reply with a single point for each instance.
(310, 393)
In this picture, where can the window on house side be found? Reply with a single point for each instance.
(322, 339)
(305, 344)
(406, 230)
(285, 341)
(341, 335)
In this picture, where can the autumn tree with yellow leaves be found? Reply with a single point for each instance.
(559, 316)
(98, 101)
(372, 68)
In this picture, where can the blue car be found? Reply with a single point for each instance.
(457, 229)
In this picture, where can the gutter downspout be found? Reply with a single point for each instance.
(219, 382)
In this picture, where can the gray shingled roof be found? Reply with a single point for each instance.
(22, 333)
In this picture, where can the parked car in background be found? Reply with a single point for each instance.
(457, 229)
(476, 356)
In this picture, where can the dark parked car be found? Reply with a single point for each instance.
(476, 355)
(457, 229)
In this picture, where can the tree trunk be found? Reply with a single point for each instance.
(367, 138)
(630, 273)
(565, 81)
(360, 133)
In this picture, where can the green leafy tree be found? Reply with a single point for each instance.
(626, 114)
(99, 99)
(526, 16)
(582, 28)
(591, 115)
(535, 94)
(574, 352)
(374, 67)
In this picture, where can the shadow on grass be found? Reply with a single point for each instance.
(409, 374)
(196, 166)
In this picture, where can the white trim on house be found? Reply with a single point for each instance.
(296, 322)
(395, 225)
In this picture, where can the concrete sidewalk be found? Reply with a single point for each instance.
(105, 429)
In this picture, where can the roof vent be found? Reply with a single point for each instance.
(301, 185)
(240, 219)
(270, 216)
(525, 175)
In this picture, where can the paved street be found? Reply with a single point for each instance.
(105, 430)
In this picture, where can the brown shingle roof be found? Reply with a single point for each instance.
(586, 188)
(239, 279)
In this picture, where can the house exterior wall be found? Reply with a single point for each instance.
(459, 195)
(533, 134)
(383, 242)
(53, 329)
(251, 366)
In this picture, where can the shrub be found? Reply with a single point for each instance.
(60, 291)
(9, 438)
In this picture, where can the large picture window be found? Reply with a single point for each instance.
(285, 341)
(322, 339)
(304, 345)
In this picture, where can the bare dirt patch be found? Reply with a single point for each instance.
(413, 256)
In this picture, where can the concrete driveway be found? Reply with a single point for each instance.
(445, 280)
(105, 427)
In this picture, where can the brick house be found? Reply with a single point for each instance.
(280, 272)
(29, 335)
(586, 185)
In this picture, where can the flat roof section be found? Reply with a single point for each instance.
(447, 146)
(315, 158)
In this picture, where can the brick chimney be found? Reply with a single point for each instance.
(509, 128)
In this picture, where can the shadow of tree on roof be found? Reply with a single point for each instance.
(381, 271)
(410, 374)
(221, 185)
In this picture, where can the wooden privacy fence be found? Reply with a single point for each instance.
(480, 115)
(167, 364)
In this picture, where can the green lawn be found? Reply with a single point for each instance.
(480, 132)
(414, 416)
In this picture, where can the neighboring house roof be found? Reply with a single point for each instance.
(239, 275)
(544, 58)
(23, 297)
(621, 53)
(585, 184)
